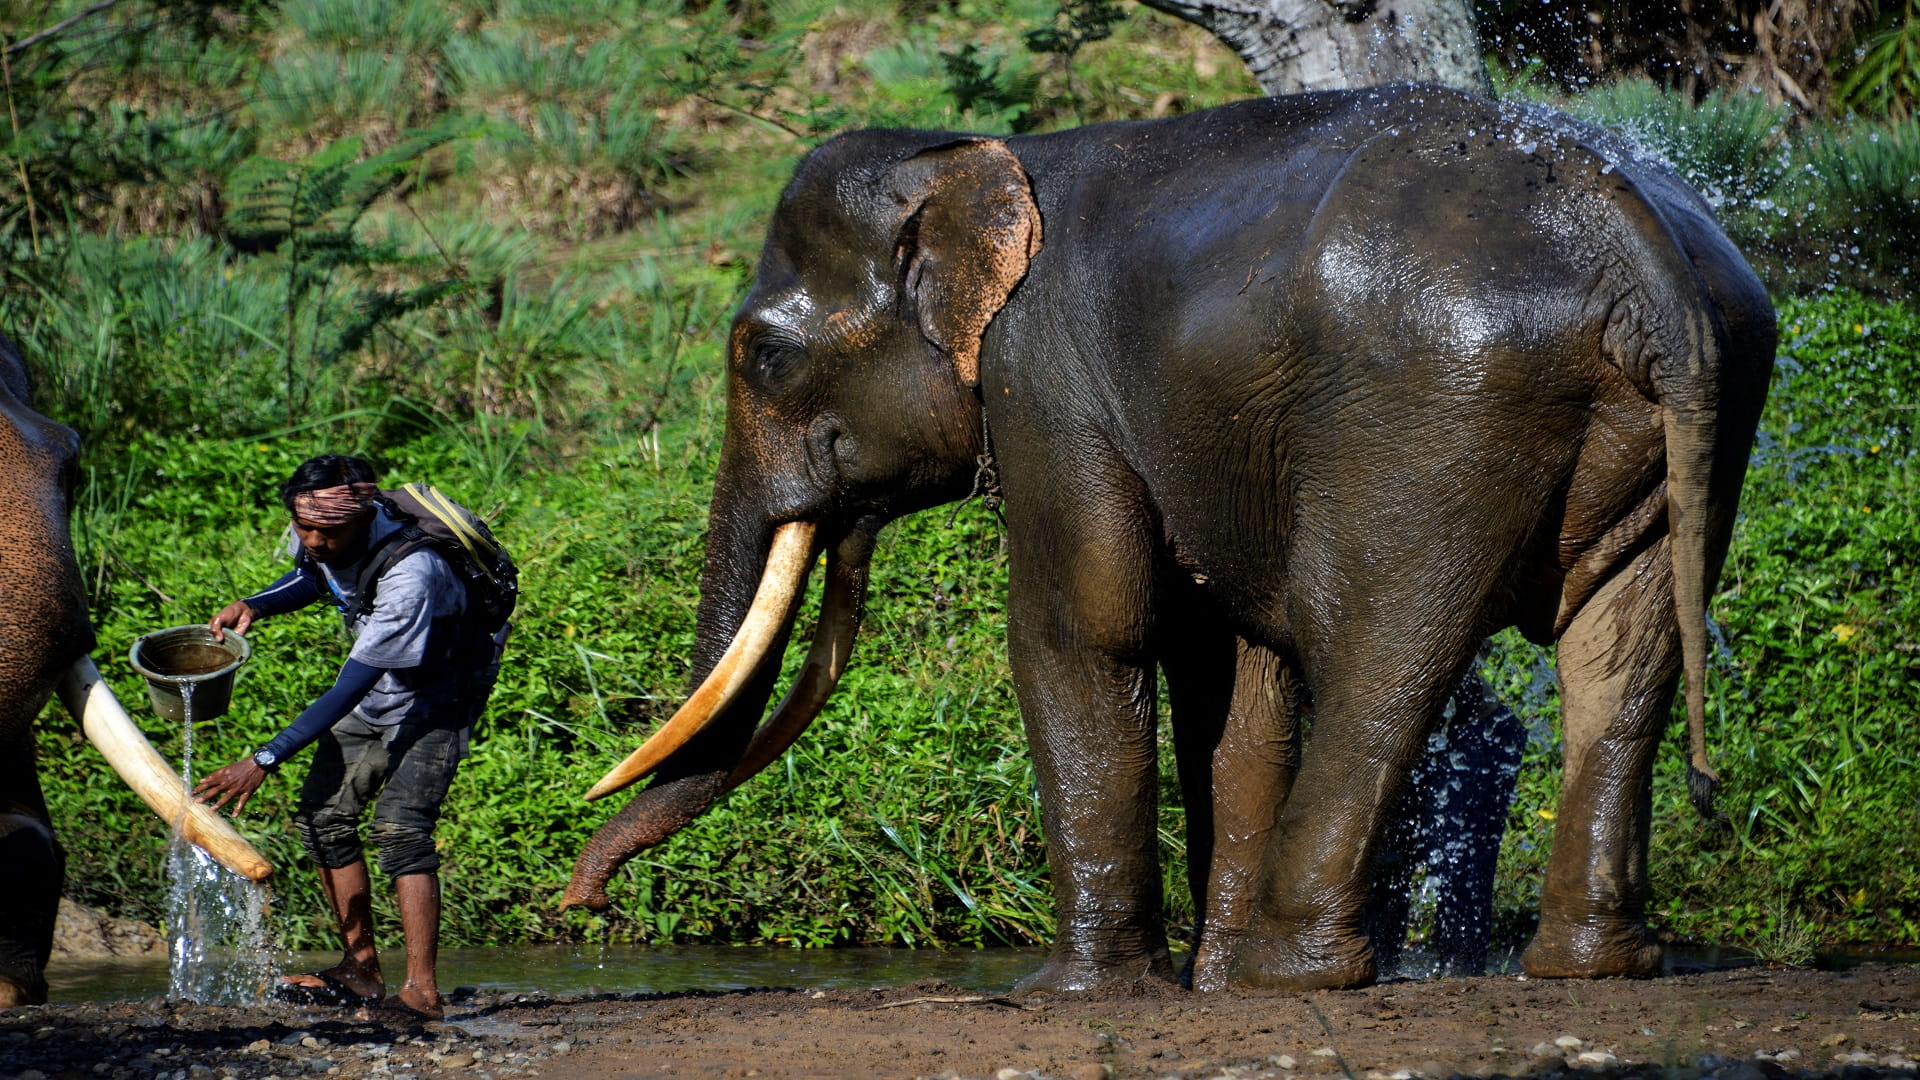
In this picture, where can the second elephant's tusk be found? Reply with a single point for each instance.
(840, 612)
(788, 560)
(120, 741)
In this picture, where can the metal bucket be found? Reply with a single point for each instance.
(180, 659)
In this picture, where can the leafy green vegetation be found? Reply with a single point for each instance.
(494, 244)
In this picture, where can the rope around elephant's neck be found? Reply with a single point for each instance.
(986, 480)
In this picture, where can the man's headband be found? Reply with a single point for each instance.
(341, 505)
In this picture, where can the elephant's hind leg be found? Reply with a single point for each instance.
(1618, 661)
(1373, 711)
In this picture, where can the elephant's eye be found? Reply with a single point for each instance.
(774, 363)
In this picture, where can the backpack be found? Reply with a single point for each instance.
(469, 548)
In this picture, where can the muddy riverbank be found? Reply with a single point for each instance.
(1745, 1024)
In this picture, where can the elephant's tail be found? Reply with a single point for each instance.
(1700, 342)
(1691, 434)
(1712, 343)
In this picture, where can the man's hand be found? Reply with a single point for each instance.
(237, 615)
(238, 779)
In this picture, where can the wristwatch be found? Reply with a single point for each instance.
(266, 758)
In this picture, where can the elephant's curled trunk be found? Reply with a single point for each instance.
(709, 762)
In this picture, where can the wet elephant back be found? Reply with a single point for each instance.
(1307, 290)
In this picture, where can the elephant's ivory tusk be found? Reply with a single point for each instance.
(119, 740)
(787, 564)
(826, 661)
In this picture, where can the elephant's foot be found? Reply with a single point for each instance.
(14, 994)
(1072, 974)
(1599, 948)
(1309, 961)
(28, 908)
(1211, 965)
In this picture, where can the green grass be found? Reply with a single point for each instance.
(332, 89)
(598, 184)
(402, 26)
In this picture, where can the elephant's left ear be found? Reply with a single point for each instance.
(969, 229)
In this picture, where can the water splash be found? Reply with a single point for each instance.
(217, 948)
(1432, 906)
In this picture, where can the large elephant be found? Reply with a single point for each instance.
(45, 639)
(43, 630)
(1294, 398)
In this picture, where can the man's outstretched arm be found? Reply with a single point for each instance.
(239, 780)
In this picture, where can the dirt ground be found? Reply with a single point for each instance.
(1745, 1024)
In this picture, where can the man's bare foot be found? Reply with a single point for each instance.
(410, 1005)
(424, 1000)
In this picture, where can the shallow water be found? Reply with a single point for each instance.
(563, 970)
(572, 970)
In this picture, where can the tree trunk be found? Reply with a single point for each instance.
(1296, 45)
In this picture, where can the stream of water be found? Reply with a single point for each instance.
(216, 924)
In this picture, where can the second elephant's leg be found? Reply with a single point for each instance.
(1618, 662)
(1486, 739)
(1449, 825)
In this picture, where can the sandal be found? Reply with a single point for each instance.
(330, 993)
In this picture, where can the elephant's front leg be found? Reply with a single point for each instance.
(1237, 734)
(1079, 615)
(33, 862)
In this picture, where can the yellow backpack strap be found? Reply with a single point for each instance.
(481, 551)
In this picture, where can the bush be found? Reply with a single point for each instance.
(1865, 185)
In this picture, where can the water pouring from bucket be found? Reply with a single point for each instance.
(216, 917)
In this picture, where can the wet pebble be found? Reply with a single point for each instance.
(1093, 1070)
(1597, 1059)
(1284, 1061)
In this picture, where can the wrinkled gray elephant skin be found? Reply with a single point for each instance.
(1306, 394)
(43, 629)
